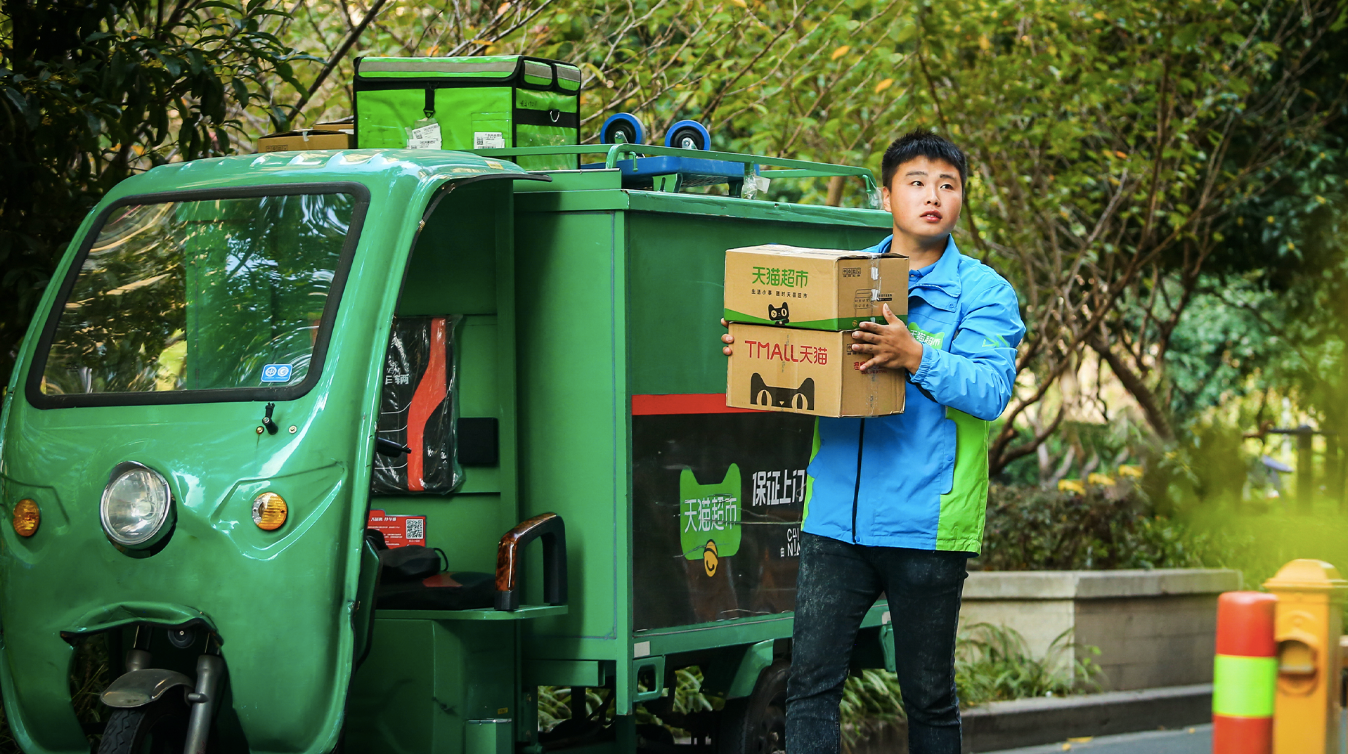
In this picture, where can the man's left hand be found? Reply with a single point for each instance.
(890, 346)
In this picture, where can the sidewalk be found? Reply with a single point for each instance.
(1193, 740)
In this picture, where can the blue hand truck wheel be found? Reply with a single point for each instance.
(625, 124)
(688, 134)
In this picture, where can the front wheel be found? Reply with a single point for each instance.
(757, 723)
(157, 728)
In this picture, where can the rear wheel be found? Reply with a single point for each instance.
(157, 728)
(757, 723)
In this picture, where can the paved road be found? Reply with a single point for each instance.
(1195, 740)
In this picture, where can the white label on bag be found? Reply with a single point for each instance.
(424, 137)
(488, 140)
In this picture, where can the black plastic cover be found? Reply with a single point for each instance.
(419, 408)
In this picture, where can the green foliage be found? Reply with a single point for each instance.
(1258, 543)
(870, 699)
(554, 705)
(1030, 528)
(1114, 143)
(994, 664)
(91, 92)
(688, 695)
(809, 80)
(554, 702)
(89, 676)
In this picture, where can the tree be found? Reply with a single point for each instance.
(95, 90)
(1114, 142)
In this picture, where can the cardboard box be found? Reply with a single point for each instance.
(814, 289)
(807, 372)
(292, 141)
(346, 125)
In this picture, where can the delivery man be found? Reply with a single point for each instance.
(895, 504)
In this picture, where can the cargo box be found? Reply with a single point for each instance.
(807, 372)
(316, 138)
(814, 289)
(485, 102)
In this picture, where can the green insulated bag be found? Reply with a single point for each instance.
(487, 102)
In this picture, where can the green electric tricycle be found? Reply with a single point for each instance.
(253, 378)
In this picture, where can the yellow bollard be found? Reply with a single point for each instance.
(1308, 625)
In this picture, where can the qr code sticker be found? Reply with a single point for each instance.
(415, 528)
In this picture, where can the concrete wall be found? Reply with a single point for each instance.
(1153, 628)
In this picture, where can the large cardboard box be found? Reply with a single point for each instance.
(815, 289)
(292, 141)
(807, 372)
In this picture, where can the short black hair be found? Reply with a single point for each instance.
(922, 143)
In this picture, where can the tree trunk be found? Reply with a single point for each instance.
(1136, 387)
(835, 188)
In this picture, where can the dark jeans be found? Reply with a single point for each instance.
(838, 583)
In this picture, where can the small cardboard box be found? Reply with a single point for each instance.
(292, 141)
(814, 289)
(807, 372)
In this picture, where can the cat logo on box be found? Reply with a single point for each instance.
(779, 315)
(800, 398)
(710, 518)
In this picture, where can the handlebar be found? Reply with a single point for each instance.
(550, 528)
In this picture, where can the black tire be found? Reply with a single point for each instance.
(756, 724)
(688, 138)
(157, 728)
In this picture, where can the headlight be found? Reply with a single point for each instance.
(136, 505)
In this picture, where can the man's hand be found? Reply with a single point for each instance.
(890, 346)
(728, 339)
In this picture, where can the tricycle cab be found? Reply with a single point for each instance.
(215, 335)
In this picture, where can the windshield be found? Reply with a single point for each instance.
(200, 295)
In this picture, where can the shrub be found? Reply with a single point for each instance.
(994, 664)
(1104, 528)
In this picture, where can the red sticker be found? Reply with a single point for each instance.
(399, 531)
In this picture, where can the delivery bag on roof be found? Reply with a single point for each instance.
(484, 102)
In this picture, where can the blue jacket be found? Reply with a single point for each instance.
(920, 479)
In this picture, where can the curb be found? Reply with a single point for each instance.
(1028, 722)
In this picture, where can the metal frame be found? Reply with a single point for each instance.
(788, 168)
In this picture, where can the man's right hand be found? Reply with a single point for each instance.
(728, 339)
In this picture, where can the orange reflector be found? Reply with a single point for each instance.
(269, 511)
(26, 518)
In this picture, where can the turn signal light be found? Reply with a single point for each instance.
(26, 518)
(269, 511)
